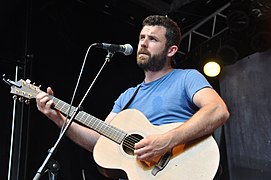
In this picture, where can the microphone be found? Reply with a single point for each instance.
(126, 49)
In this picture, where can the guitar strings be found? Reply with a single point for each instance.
(128, 142)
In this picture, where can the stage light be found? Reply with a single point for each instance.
(211, 69)
(228, 53)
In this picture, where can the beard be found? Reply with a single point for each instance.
(151, 62)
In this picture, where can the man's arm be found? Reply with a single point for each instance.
(212, 113)
(81, 135)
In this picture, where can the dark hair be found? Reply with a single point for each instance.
(173, 32)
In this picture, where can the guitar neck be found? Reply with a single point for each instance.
(90, 121)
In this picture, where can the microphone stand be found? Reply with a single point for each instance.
(48, 160)
(53, 167)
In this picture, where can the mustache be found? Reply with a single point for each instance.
(143, 51)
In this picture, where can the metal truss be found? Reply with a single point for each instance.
(205, 35)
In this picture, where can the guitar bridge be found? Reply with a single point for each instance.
(162, 163)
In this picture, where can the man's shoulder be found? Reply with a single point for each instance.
(131, 90)
(185, 72)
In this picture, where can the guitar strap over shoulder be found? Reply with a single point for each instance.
(131, 99)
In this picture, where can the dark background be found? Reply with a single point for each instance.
(46, 42)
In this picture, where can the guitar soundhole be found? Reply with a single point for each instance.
(129, 143)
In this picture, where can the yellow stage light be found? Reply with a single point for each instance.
(211, 69)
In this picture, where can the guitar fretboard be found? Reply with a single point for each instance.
(90, 121)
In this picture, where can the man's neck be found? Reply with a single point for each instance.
(154, 75)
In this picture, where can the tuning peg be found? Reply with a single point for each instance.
(14, 97)
(27, 101)
(21, 99)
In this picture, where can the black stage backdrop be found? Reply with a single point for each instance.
(246, 88)
(57, 34)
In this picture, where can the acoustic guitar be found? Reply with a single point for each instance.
(113, 152)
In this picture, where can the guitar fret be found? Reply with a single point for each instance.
(106, 129)
(119, 135)
(56, 103)
(78, 117)
(84, 117)
(94, 123)
(69, 109)
(115, 133)
(62, 106)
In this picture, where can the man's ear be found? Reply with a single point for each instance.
(172, 50)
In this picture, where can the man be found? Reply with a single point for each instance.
(166, 95)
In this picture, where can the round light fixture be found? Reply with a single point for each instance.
(211, 69)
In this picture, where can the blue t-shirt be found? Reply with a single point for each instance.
(167, 99)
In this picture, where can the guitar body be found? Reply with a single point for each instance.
(196, 160)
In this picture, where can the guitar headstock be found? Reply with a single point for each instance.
(25, 89)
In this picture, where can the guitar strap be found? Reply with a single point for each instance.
(131, 99)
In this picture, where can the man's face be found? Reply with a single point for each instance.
(151, 52)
